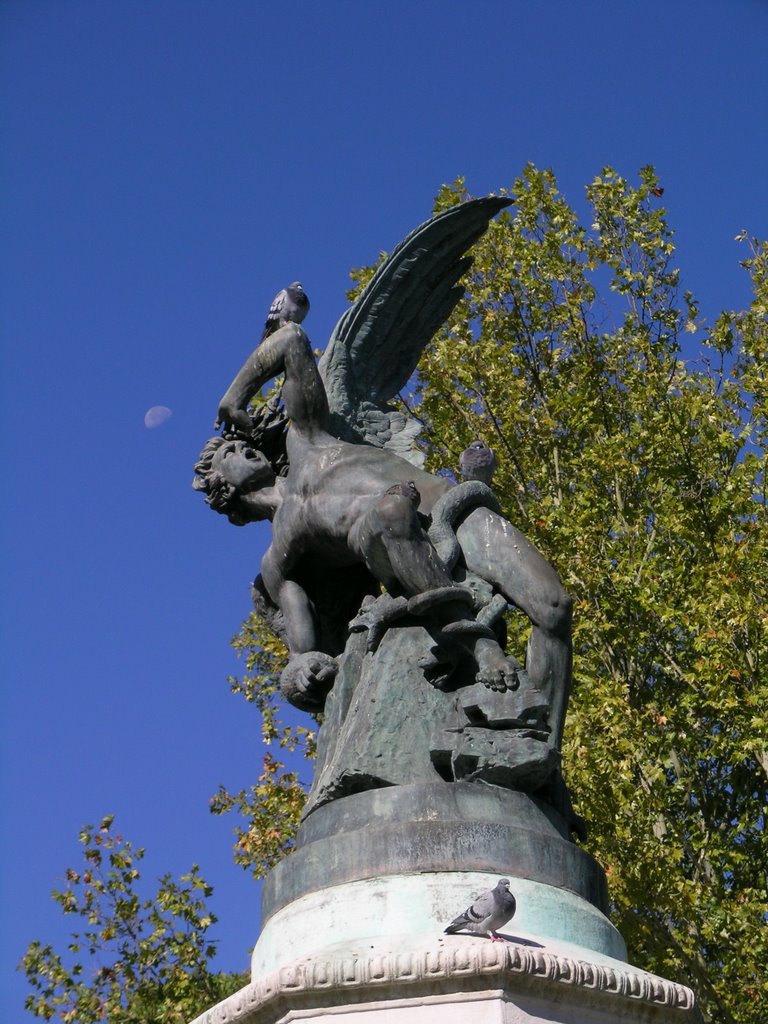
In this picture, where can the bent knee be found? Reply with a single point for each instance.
(396, 514)
(554, 608)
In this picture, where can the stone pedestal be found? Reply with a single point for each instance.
(457, 980)
(353, 921)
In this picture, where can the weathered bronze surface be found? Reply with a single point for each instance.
(390, 584)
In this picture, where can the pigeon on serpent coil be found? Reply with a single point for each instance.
(478, 462)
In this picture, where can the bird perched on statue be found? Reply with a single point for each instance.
(405, 489)
(290, 304)
(478, 462)
(487, 914)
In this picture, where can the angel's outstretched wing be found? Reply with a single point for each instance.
(376, 344)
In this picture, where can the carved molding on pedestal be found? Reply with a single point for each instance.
(452, 964)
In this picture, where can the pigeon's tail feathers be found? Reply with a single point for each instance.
(469, 919)
(269, 328)
(456, 926)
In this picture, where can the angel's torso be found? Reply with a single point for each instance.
(330, 486)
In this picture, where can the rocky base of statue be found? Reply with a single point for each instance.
(409, 705)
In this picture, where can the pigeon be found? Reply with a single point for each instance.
(478, 462)
(290, 304)
(487, 914)
(406, 489)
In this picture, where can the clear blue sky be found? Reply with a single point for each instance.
(166, 167)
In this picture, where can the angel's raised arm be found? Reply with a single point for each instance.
(287, 351)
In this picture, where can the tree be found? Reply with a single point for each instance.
(642, 478)
(137, 960)
(270, 810)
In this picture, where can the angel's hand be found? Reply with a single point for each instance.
(307, 678)
(229, 415)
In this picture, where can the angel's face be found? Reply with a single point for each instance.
(242, 466)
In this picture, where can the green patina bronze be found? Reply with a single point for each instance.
(390, 584)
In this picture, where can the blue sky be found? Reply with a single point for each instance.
(167, 166)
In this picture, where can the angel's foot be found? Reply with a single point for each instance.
(495, 670)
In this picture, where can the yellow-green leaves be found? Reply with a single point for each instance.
(137, 958)
(642, 478)
(269, 812)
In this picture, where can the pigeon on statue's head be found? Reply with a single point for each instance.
(487, 914)
(478, 462)
(289, 305)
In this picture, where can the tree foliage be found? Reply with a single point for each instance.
(641, 476)
(271, 810)
(136, 960)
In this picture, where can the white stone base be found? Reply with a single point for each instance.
(491, 1007)
(457, 979)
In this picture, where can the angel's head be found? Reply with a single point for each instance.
(229, 472)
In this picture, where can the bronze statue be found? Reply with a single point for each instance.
(375, 563)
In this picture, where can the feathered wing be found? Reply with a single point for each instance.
(378, 341)
(474, 916)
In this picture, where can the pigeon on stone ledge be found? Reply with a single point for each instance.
(478, 462)
(487, 914)
(290, 304)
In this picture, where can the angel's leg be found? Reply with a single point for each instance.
(391, 541)
(500, 554)
(309, 674)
